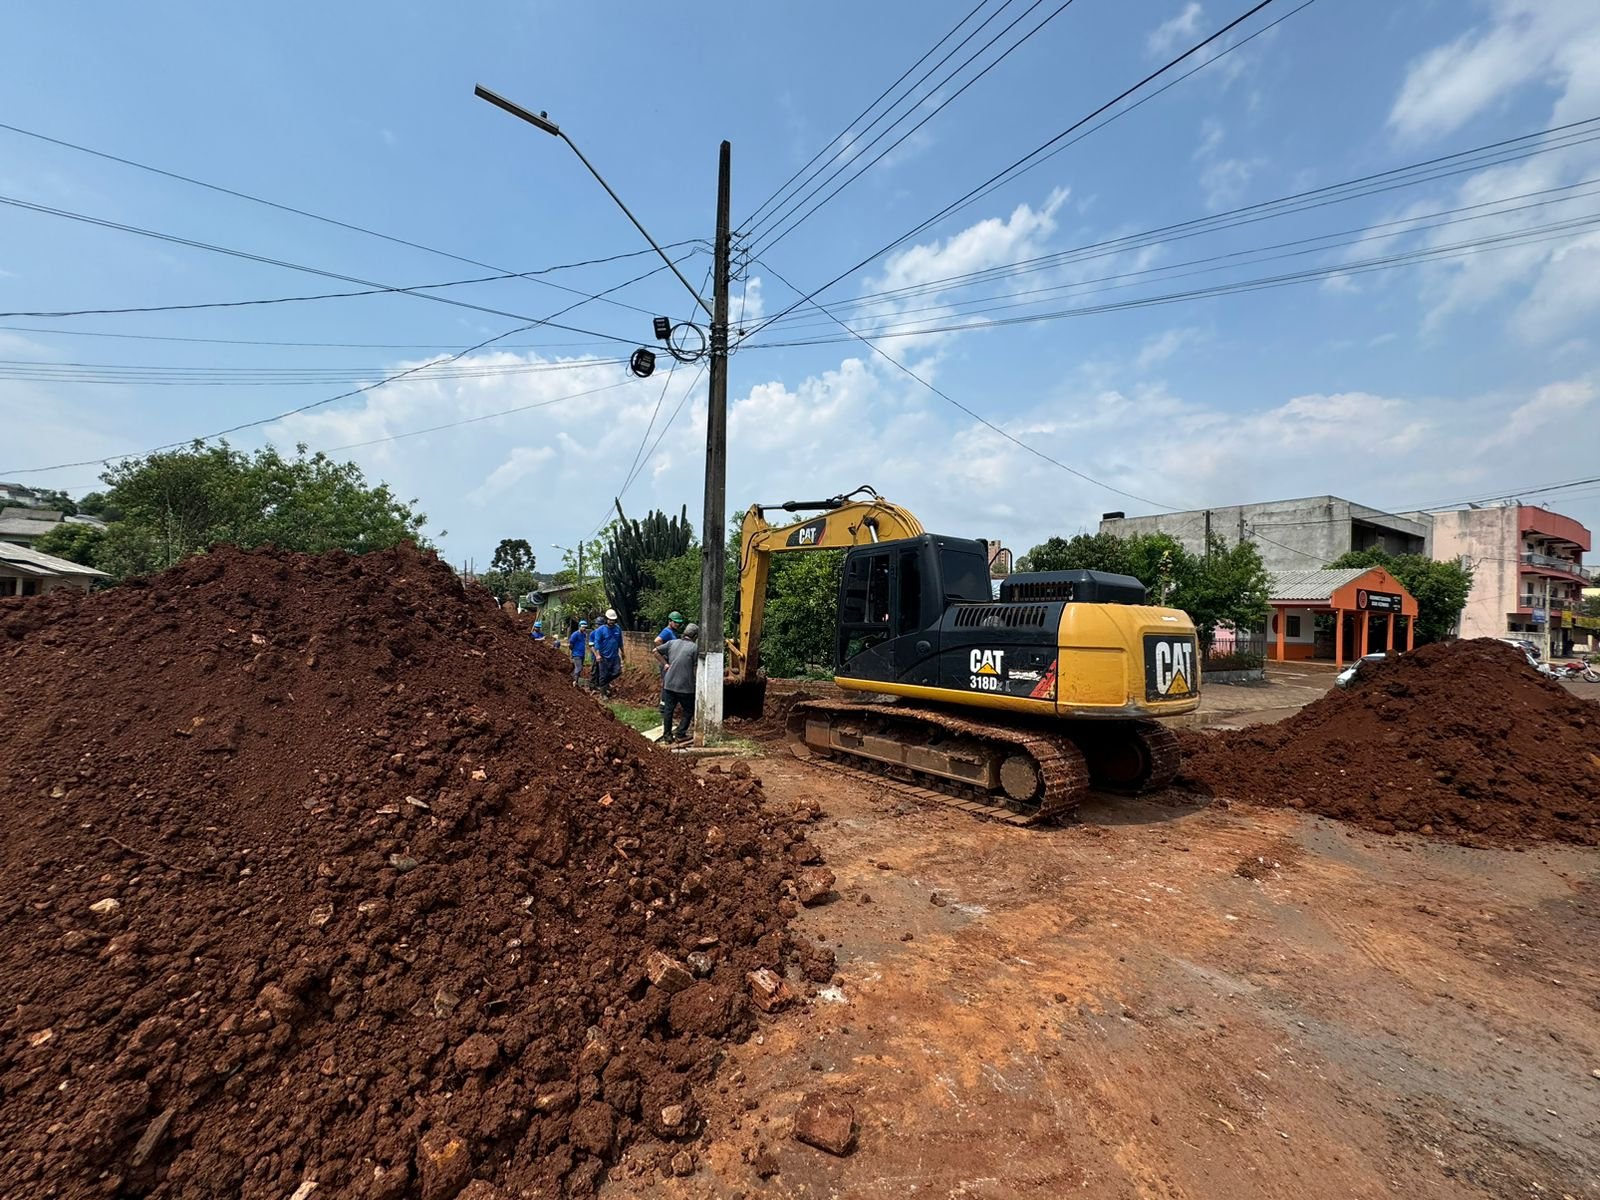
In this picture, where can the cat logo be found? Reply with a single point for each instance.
(1169, 668)
(988, 662)
(809, 534)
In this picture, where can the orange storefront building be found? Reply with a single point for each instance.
(1339, 615)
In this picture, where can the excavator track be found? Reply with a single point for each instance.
(1020, 776)
(1128, 756)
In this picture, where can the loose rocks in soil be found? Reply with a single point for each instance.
(1460, 740)
(317, 869)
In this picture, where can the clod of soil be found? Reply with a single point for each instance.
(1462, 740)
(317, 869)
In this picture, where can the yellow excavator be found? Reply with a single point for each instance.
(1013, 706)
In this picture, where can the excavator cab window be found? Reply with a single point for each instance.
(908, 617)
(864, 612)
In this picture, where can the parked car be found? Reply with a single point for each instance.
(1349, 675)
(1526, 645)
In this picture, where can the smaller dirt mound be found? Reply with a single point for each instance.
(1461, 740)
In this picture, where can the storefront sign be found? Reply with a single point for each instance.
(1377, 601)
(1540, 616)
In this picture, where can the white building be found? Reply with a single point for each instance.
(25, 572)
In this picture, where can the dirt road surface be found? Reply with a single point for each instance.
(1172, 1003)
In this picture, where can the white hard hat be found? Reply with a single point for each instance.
(611, 614)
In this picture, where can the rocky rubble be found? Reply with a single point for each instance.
(317, 871)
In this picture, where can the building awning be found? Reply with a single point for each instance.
(1350, 589)
(20, 560)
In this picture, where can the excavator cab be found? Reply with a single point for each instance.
(892, 600)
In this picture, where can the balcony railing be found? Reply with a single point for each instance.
(1553, 563)
(1552, 604)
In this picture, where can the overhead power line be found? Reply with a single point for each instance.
(843, 133)
(207, 341)
(1430, 170)
(1032, 154)
(1315, 244)
(772, 238)
(301, 212)
(1548, 232)
(345, 395)
(343, 278)
(133, 376)
(373, 291)
(504, 412)
(871, 344)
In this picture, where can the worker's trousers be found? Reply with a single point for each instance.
(669, 702)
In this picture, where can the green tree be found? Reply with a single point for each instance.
(179, 502)
(1156, 560)
(95, 504)
(1226, 586)
(798, 635)
(630, 549)
(73, 542)
(512, 554)
(674, 587)
(1440, 588)
(55, 501)
(1589, 606)
(1084, 552)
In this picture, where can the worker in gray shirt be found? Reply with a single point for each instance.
(677, 684)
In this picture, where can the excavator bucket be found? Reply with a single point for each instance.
(744, 698)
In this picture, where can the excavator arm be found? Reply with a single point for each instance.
(858, 518)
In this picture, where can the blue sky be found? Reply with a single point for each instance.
(1468, 374)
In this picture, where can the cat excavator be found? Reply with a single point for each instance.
(1012, 706)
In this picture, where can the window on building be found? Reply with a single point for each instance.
(8, 587)
(1293, 625)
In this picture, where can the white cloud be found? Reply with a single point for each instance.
(1222, 179)
(1554, 43)
(1158, 349)
(1170, 34)
(518, 466)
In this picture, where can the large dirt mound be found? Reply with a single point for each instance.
(317, 868)
(1461, 740)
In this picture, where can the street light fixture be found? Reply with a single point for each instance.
(568, 550)
(540, 120)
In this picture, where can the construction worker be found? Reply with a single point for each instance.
(670, 633)
(679, 656)
(538, 631)
(607, 653)
(578, 643)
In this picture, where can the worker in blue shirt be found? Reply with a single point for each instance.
(607, 653)
(538, 631)
(669, 634)
(578, 643)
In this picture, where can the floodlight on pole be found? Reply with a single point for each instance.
(541, 121)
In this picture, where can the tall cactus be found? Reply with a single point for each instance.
(632, 547)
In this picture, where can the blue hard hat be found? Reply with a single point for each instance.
(583, 624)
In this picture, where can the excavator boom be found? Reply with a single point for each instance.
(858, 518)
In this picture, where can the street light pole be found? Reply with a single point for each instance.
(708, 682)
(541, 121)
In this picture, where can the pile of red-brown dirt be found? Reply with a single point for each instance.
(1461, 740)
(318, 870)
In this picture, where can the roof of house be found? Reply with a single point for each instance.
(18, 526)
(1313, 585)
(31, 514)
(31, 562)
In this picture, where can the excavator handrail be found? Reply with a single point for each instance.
(843, 521)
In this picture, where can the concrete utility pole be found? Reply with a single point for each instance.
(708, 680)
